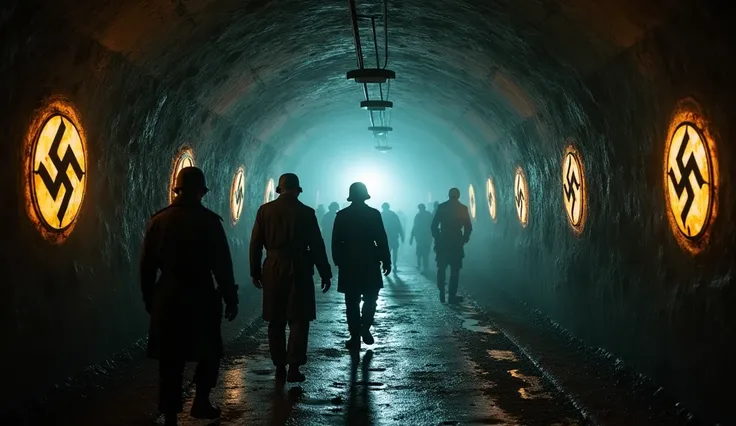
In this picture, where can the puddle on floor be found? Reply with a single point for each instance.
(503, 355)
(534, 390)
(473, 325)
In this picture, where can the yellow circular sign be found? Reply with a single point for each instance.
(491, 197)
(471, 201)
(691, 176)
(237, 195)
(59, 170)
(573, 189)
(521, 196)
(270, 193)
(185, 158)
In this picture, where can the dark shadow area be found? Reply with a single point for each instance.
(360, 409)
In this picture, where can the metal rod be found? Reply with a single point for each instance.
(385, 32)
(356, 33)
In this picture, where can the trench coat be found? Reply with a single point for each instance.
(394, 230)
(421, 231)
(186, 242)
(359, 246)
(451, 229)
(289, 232)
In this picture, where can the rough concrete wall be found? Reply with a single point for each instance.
(67, 306)
(625, 284)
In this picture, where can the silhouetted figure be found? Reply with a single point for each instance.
(434, 208)
(394, 231)
(451, 228)
(421, 232)
(360, 250)
(289, 232)
(187, 243)
(328, 222)
(320, 212)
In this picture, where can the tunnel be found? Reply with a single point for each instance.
(620, 106)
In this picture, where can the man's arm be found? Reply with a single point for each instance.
(221, 264)
(148, 265)
(435, 227)
(317, 248)
(338, 232)
(384, 254)
(414, 229)
(401, 228)
(467, 225)
(256, 246)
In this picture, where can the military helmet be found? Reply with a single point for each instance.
(358, 192)
(288, 181)
(190, 178)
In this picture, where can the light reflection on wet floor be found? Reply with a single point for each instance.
(432, 364)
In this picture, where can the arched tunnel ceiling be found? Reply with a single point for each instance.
(278, 67)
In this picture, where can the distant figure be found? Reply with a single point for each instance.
(320, 212)
(451, 230)
(187, 243)
(421, 232)
(328, 222)
(394, 231)
(360, 251)
(289, 232)
(434, 208)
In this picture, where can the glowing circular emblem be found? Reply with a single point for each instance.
(471, 201)
(237, 195)
(690, 176)
(491, 198)
(573, 188)
(56, 170)
(185, 158)
(270, 193)
(521, 196)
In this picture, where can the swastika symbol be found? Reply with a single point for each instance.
(240, 190)
(686, 170)
(571, 186)
(519, 194)
(62, 165)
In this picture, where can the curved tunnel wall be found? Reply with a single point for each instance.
(624, 284)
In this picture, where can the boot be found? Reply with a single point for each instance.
(295, 376)
(203, 409)
(368, 337)
(280, 372)
(456, 299)
(353, 344)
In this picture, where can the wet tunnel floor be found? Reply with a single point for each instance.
(432, 364)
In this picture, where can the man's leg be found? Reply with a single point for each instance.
(205, 378)
(297, 350)
(441, 272)
(169, 391)
(352, 312)
(369, 312)
(395, 256)
(454, 281)
(277, 342)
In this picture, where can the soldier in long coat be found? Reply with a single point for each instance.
(360, 250)
(186, 242)
(394, 231)
(327, 223)
(421, 232)
(289, 232)
(451, 228)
